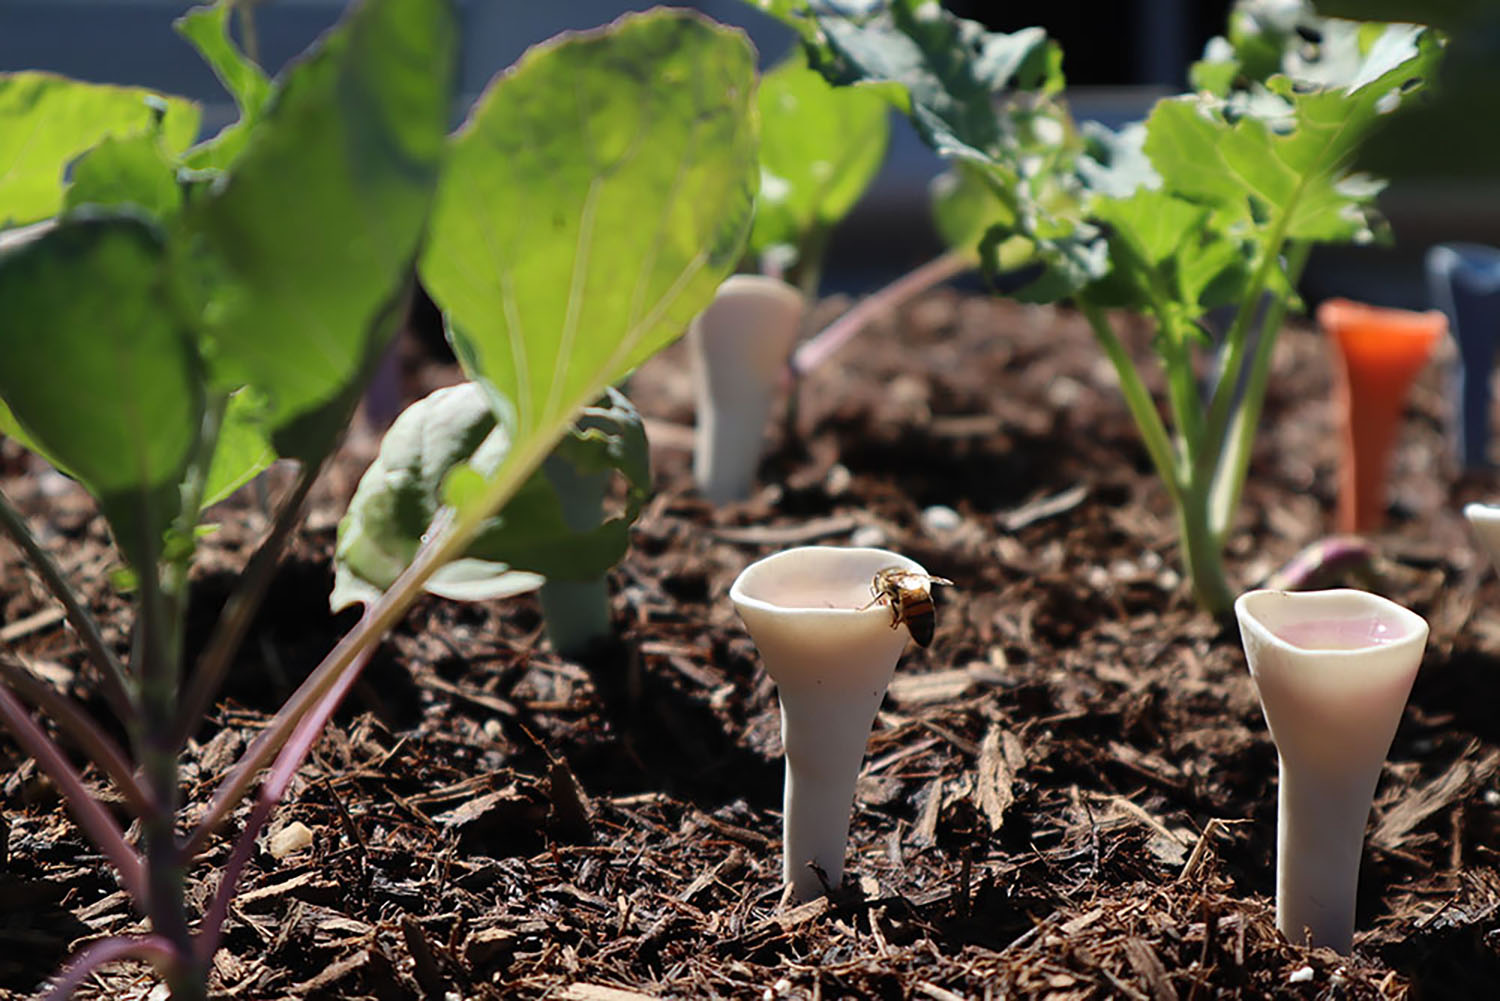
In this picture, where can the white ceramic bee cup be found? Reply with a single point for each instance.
(1333, 670)
(832, 654)
(739, 347)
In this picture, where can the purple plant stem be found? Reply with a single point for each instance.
(298, 745)
(819, 348)
(153, 948)
(93, 818)
(116, 685)
(84, 732)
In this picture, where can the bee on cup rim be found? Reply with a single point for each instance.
(909, 595)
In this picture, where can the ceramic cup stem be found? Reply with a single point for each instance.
(832, 659)
(1463, 280)
(739, 347)
(1333, 670)
(1378, 353)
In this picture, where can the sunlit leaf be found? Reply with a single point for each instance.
(820, 147)
(241, 451)
(46, 121)
(100, 368)
(207, 30)
(315, 231)
(591, 205)
(126, 171)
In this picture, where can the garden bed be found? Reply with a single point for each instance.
(1070, 794)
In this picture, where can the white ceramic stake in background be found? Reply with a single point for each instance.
(831, 662)
(739, 346)
(1485, 520)
(1333, 669)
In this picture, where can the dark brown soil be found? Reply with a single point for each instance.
(1070, 794)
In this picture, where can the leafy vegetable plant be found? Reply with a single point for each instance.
(1213, 201)
(179, 315)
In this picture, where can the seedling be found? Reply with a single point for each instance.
(832, 653)
(1333, 670)
(1463, 280)
(1379, 352)
(1214, 200)
(190, 313)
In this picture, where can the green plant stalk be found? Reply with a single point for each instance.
(1181, 390)
(1217, 422)
(576, 612)
(1202, 552)
(116, 684)
(1202, 556)
(163, 605)
(1138, 399)
(1234, 461)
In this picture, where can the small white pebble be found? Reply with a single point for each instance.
(292, 838)
(1302, 976)
(1063, 392)
(1491, 797)
(941, 519)
(838, 481)
(867, 537)
(1098, 578)
(779, 989)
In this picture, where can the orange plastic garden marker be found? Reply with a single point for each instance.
(1380, 352)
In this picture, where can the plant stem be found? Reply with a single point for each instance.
(1234, 462)
(1138, 399)
(1234, 354)
(152, 948)
(84, 732)
(272, 789)
(448, 537)
(240, 609)
(163, 583)
(1202, 554)
(90, 814)
(246, 11)
(818, 349)
(115, 684)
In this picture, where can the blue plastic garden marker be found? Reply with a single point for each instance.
(1463, 280)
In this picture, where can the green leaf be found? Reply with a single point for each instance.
(1292, 166)
(398, 496)
(313, 234)
(46, 121)
(441, 450)
(126, 171)
(241, 451)
(1165, 256)
(964, 207)
(1444, 136)
(820, 148)
(100, 368)
(598, 194)
(951, 69)
(553, 526)
(207, 30)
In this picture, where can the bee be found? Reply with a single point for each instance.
(909, 594)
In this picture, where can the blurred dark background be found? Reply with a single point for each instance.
(1119, 58)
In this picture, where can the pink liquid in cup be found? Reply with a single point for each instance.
(1338, 634)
